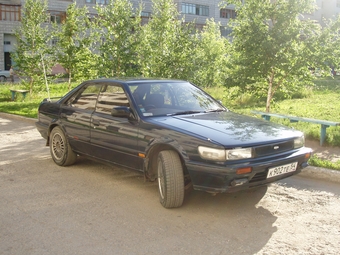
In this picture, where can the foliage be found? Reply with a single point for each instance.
(119, 28)
(210, 56)
(273, 48)
(74, 43)
(166, 46)
(32, 54)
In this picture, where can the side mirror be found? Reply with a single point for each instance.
(121, 112)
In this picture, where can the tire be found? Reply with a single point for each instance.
(170, 179)
(3, 78)
(60, 149)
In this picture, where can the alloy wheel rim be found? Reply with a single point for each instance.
(160, 178)
(58, 146)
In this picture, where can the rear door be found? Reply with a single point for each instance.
(76, 114)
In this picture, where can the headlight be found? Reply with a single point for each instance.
(211, 153)
(240, 153)
(299, 142)
(222, 155)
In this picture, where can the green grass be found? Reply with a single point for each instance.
(315, 161)
(28, 106)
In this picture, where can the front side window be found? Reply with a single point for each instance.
(111, 96)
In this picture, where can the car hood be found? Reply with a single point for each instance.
(228, 128)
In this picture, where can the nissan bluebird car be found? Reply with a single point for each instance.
(173, 132)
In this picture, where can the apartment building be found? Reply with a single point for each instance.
(191, 10)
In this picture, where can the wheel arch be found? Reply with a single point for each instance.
(150, 168)
(50, 128)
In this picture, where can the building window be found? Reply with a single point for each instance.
(146, 14)
(227, 14)
(145, 17)
(10, 12)
(7, 42)
(97, 1)
(195, 9)
(57, 17)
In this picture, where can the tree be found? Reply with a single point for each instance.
(272, 45)
(74, 47)
(32, 55)
(119, 26)
(167, 45)
(210, 56)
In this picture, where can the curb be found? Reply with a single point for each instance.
(321, 174)
(18, 117)
(309, 172)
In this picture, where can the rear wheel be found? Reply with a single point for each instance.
(170, 179)
(60, 149)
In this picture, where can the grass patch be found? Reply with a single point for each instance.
(28, 107)
(315, 161)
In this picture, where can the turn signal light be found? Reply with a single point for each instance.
(307, 155)
(244, 170)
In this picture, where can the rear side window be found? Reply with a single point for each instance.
(86, 98)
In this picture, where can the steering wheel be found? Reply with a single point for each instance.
(149, 107)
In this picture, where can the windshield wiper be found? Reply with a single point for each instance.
(183, 113)
(216, 110)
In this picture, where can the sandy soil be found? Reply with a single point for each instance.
(324, 152)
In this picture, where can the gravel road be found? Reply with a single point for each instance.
(90, 208)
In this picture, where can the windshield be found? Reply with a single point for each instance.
(172, 98)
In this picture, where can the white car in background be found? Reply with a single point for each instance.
(4, 74)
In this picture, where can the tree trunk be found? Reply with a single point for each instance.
(269, 98)
(270, 91)
(69, 80)
(31, 85)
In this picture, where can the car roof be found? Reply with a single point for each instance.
(133, 80)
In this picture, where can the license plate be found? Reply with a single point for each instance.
(275, 171)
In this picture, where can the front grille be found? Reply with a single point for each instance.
(272, 149)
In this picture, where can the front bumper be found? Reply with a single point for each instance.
(223, 178)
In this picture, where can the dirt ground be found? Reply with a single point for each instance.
(96, 209)
(324, 152)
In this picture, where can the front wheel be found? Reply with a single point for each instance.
(60, 149)
(170, 179)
